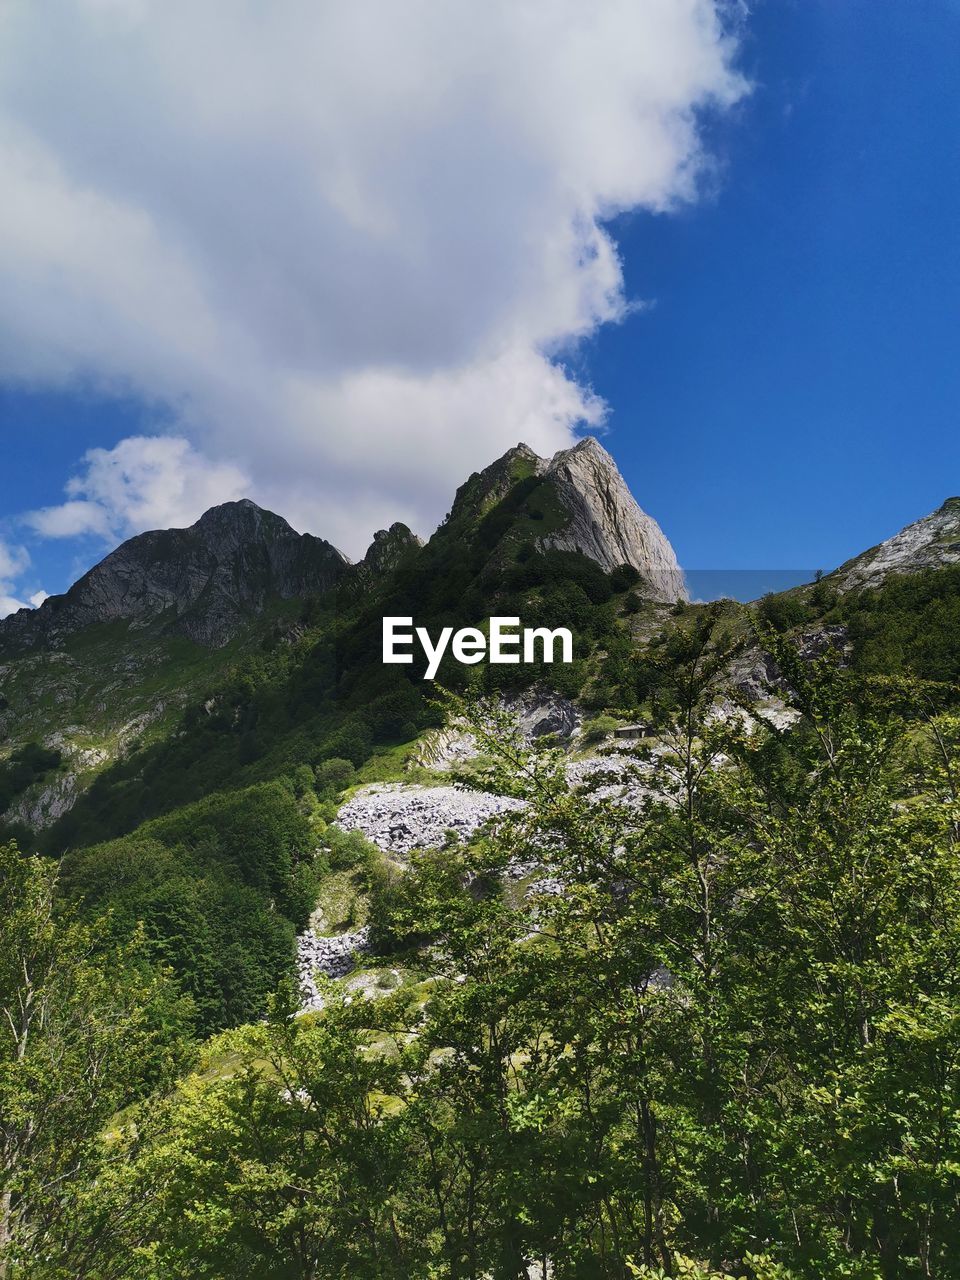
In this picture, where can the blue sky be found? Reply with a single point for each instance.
(787, 398)
(800, 367)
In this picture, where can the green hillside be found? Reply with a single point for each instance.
(709, 1030)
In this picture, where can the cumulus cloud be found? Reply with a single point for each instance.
(14, 561)
(144, 482)
(344, 246)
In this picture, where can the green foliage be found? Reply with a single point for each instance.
(87, 1027)
(220, 888)
(783, 612)
(348, 850)
(597, 728)
(909, 625)
(334, 775)
(729, 1047)
(288, 1166)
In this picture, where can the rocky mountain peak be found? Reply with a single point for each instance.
(930, 543)
(484, 489)
(600, 519)
(389, 547)
(605, 523)
(204, 581)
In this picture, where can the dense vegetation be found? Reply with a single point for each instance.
(908, 625)
(220, 888)
(729, 1046)
(716, 1032)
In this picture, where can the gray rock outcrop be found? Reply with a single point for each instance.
(598, 516)
(540, 711)
(388, 549)
(605, 522)
(333, 957)
(930, 543)
(204, 580)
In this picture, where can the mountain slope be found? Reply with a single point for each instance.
(270, 640)
(106, 671)
(169, 736)
(930, 543)
(114, 661)
(203, 582)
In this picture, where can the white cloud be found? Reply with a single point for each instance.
(342, 244)
(144, 482)
(14, 561)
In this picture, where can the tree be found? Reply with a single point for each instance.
(84, 1033)
(287, 1166)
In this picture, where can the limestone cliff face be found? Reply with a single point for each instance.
(930, 543)
(204, 580)
(593, 511)
(606, 524)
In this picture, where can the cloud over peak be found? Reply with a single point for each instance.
(343, 245)
(144, 482)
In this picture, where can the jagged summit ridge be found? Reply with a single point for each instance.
(932, 542)
(206, 579)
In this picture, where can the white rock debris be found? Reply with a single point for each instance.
(400, 818)
(333, 957)
(615, 776)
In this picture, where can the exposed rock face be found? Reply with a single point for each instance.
(605, 522)
(540, 711)
(442, 749)
(389, 548)
(206, 579)
(930, 543)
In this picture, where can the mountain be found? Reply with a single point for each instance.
(162, 620)
(606, 524)
(193, 659)
(203, 582)
(586, 508)
(178, 726)
(930, 543)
